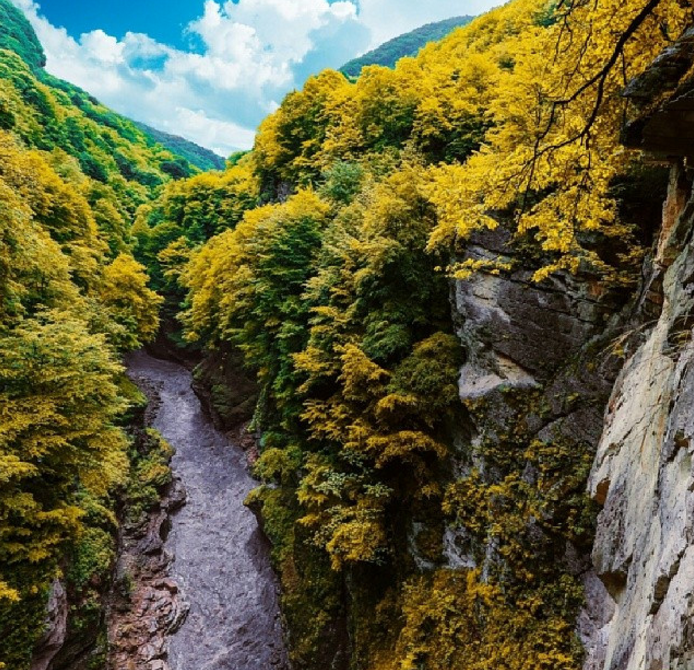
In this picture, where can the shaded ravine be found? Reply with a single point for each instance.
(221, 562)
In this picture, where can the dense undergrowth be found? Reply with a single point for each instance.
(72, 300)
(325, 257)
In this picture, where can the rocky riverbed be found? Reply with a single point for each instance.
(209, 584)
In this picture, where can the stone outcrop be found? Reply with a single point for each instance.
(517, 333)
(665, 92)
(537, 356)
(55, 628)
(549, 339)
(644, 478)
(227, 392)
(146, 606)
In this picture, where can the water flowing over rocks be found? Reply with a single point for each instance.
(217, 607)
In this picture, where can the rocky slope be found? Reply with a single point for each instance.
(123, 619)
(571, 349)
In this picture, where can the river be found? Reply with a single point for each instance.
(221, 561)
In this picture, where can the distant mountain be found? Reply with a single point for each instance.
(193, 153)
(17, 35)
(409, 44)
(126, 164)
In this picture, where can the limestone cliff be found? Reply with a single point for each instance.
(609, 376)
(539, 371)
(643, 474)
(644, 478)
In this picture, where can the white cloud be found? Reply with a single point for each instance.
(217, 135)
(389, 18)
(100, 46)
(253, 52)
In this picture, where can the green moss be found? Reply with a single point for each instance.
(311, 592)
(278, 465)
(136, 399)
(21, 624)
(93, 557)
(98, 658)
(150, 473)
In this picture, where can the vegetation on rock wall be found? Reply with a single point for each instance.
(65, 314)
(72, 300)
(324, 258)
(336, 293)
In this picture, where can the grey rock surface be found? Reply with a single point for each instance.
(547, 343)
(55, 628)
(644, 476)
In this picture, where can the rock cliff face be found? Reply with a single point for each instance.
(643, 474)
(55, 634)
(538, 370)
(633, 410)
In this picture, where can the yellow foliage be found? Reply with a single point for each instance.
(552, 152)
(57, 405)
(453, 619)
(131, 304)
(221, 276)
(512, 122)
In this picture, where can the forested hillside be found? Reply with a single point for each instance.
(72, 300)
(391, 505)
(409, 44)
(196, 155)
(432, 275)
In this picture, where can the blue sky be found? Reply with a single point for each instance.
(212, 70)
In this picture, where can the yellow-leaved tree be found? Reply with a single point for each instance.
(551, 157)
(131, 307)
(63, 312)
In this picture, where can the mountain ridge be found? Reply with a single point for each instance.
(407, 44)
(18, 36)
(197, 155)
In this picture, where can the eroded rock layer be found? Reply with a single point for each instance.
(643, 475)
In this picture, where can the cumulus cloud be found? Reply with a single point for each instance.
(252, 52)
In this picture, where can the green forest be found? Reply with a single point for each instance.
(409, 44)
(325, 262)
